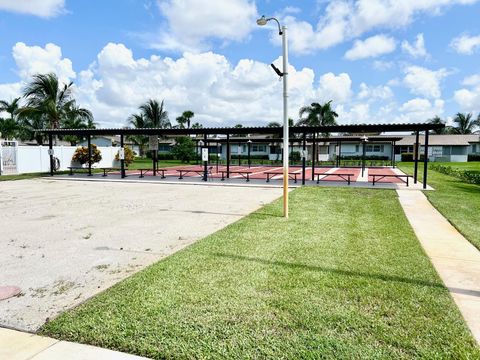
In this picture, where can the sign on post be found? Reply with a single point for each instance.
(153, 142)
(121, 154)
(204, 154)
(50, 152)
(303, 154)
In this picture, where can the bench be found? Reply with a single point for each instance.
(182, 172)
(342, 177)
(271, 174)
(107, 170)
(244, 174)
(377, 177)
(71, 168)
(143, 172)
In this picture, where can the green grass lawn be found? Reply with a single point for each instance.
(344, 277)
(459, 202)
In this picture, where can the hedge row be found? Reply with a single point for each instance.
(468, 176)
(474, 157)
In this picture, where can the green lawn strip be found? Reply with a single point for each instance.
(459, 202)
(28, 176)
(344, 277)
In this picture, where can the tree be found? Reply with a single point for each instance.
(77, 118)
(46, 97)
(188, 115)
(138, 122)
(184, 149)
(464, 124)
(154, 114)
(317, 115)
(181, 121)
(438, 120)
(9, 126)
(273, 124)
(28, 124)
(197, 126)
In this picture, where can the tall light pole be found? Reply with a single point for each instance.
(282, 31)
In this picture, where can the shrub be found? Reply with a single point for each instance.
(295, 156)
(474, 157)
(408, 157)
(184, 149)
(129, 155)
(468, 176)
(81, 154)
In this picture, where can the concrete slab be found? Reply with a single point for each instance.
(65, 241)
(72, 351)
(456, 260)
(16, 345)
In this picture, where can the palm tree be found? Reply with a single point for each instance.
(9, 126)
(28, 125)
(155, 115)
(138, 122)
(181, 121)
(274, 124)
(197, 126)
(465, 124)
(188, 115)
(317, 115)
(10, 107)
(77, 118)
(438, 120)
(46, 96)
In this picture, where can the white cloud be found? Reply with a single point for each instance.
(472, 80)
(372, 47)
(416, 49)
(336, 88)
(419, 110)
(383, 65)
(41, 8)
(466, 44)
(468, 98)
(191, 23)
(207, 83)
(424, 82)
(347, 19)
(32, 60)
(369, 93)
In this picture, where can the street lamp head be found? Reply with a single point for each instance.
(262, 21)
(201, 143)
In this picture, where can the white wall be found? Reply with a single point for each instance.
(36, 159)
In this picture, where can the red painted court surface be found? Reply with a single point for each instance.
(383, 171)
(275, 173)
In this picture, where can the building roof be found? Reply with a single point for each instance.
(437, 140)
(357, 128)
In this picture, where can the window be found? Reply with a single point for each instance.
(164, 147)
(357, 148)
(259, 148)
(459, 150)
(374, 148)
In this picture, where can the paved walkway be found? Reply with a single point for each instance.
(16, 345)
(456, 260)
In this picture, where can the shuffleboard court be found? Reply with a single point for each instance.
(65, 241)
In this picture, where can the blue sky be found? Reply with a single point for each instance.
(378, 60)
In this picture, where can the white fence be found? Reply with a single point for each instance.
(31, 159)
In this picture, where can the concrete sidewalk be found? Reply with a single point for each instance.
(16, 345)
(456, 260)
